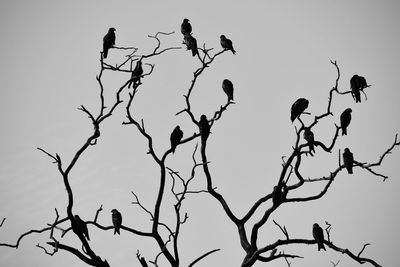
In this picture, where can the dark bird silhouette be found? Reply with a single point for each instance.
(176, 137)
(318, 235)
(82, 227)
(355, 87)
(309, 137)
(186, 28)
(204, 128)
(227, 44)
(116, 220)
(348, 160)
(345, 119)
(191, 43)
(298, 107)
(108, 41)
(136, 73)
(227, 86)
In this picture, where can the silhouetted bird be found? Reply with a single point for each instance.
(348, 160)
(227, 86)
(355, 87)
(186, 28)
(136, 73)
(309, 137)
(318, 235)
(82, 227)
(191, 43)
(345, 119)
(204, 128)
(298, 107)
(176, 137)
(227, 44)
(108, 41)
(116, 220)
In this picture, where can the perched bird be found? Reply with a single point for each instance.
(345, 119)
(116, 220)
(186, 28)
(227, 44)
(355, 87)
(82, 227)
(298, 107)
(362, 82)
(318, 235)
(108, 41)
(227, 86)
(348, 160)
(176, 137)
(204, 128)
(309, 137)
(191, 43)
(136, 73)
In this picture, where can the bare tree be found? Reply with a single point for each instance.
(165, 235)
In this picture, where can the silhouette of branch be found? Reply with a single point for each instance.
(335, 264)
(97, 213)
(284, 231)
(142, 260)
(203, 256)
(33, 231)
(1, 224)
(328, 230)
(137, 202)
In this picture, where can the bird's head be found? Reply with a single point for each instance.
(203, 117)
(177, 127)
(349, 110)
(315, 225)
(114, 211)
(185, 20)
(222, 37)
(346, 150)
(111, 30)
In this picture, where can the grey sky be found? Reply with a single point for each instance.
(49, 59)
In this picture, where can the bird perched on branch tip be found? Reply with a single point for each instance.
(108, 41)
(227, 44)
(298, 107)
(227, 86)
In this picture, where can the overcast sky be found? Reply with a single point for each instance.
(50, 54)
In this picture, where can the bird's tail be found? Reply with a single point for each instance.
(105, 53)
(344, 131)
(321, 245)
(233, 51)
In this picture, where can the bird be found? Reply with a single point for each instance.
(318, 235)
(309, 137)
(108, 41)
(345, 119)
(355, 87)
(227, 86)
(136, 73)
(362, 82)
(227, 44)
(348, 160)
(176, 137)
(204, 128)
(191, 43)
(186, 28)
(116, 220)
(298, 107)
(81, 226)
